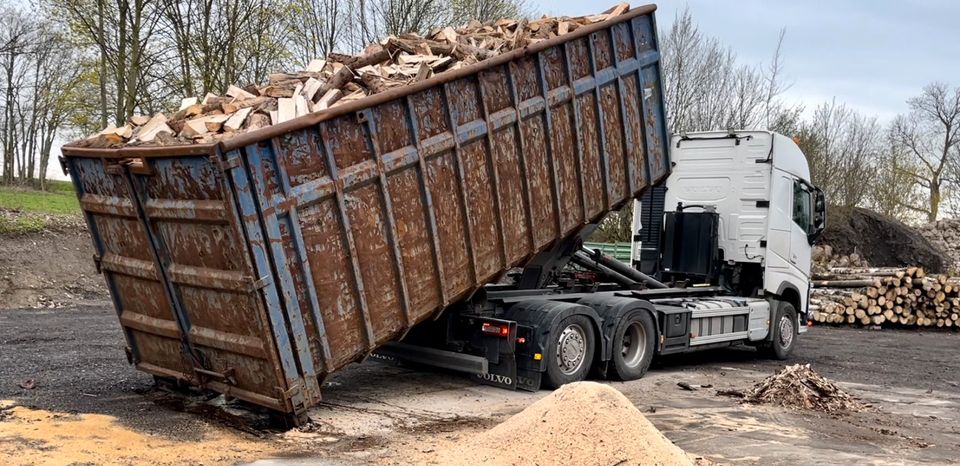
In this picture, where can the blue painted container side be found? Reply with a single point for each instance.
(259, 267)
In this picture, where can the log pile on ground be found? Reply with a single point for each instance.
(945, 234)
(800, 387)
(823, 259)
(579, 423)
(892, 297)
(394, 62)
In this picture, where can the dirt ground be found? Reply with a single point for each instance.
(49, 269)
(86, 405)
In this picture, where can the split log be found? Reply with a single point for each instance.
(340, 78)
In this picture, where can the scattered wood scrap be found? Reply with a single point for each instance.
(800, 387)
(339, 79)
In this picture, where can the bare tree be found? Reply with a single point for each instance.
(318, 27)
(463, 11)
(17, 31)
(930, 133)
(705, 88)
(265, 47)
(39, 72)
(122, 33)
(894, 188)
(842, 149)
(220, 42)
(371, 20)
(383, 18)
(858, 154)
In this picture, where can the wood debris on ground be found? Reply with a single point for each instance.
(900, 297)
(800, 387)
(393, 62)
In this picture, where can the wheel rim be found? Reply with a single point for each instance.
(634, 345)
(786, 332)
(571, 348)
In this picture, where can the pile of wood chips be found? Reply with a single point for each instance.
(799, 387)
(394, 62)
(906, 297)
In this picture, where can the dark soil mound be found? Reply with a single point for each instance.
(881, 240)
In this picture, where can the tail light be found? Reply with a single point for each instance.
(500, 330)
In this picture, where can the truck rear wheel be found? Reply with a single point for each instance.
(570, 353)
(633, 346)
(785, 333)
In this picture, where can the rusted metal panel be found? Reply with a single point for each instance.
(170, 245)
(262, 264)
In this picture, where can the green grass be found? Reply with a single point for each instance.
(59, 199)
(22, 224)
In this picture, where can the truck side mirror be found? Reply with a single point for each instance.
(819, 215)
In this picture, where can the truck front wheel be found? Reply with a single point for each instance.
(571, 351)
(633, 346)
(784, 333)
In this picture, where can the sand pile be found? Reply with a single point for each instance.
(579, 424)
(799, 387)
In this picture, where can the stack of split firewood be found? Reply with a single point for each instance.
(886, 296)
(396, 61)
(945, 234)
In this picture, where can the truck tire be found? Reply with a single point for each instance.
(784, 333)
(633, 346)
(572, 345)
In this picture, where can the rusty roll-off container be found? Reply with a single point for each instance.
(259, 265)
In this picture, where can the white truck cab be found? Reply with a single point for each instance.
(768, 212)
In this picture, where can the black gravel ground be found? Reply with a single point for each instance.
(76, 361)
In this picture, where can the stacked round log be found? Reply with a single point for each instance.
(886, 297)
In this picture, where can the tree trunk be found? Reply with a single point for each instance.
(9, 142)
(102, 42)
(133, 75)
(45, 147)
(123, 41)
(934, 199)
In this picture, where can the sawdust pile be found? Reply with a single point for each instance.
(38, 437)
(580, 423)
(799, 387)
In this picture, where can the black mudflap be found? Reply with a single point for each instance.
(503, 375)
(528, 380)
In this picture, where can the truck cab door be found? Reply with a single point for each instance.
(802, 228)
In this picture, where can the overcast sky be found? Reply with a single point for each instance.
(871, 54)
